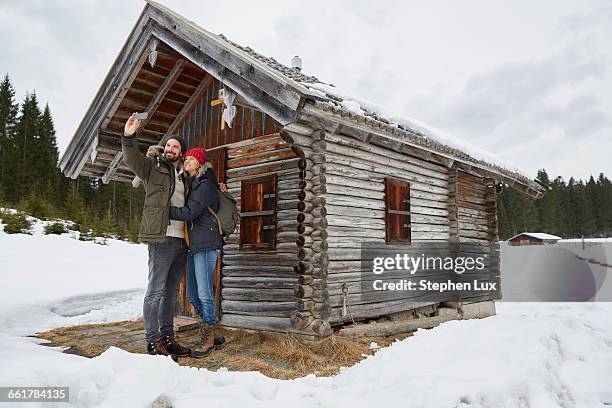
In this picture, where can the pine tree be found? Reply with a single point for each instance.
(27, 140)
(549, 208)
(503, 223)
(604, 204)
(108, 225)
(585, 218)
(30, 179)
(74, 208)
(8, 121)
(46, 164)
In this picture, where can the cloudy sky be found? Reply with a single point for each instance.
(529, 81)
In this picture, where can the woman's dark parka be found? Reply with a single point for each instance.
(202, 230)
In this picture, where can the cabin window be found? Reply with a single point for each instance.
(258, 213)
(397, 211)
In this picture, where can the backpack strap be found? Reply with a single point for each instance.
(216, 219)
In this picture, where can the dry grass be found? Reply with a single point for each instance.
(277, 355)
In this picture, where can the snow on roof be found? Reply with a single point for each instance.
(361, 107)
(330, 96)
(333, 96)
(538, 235)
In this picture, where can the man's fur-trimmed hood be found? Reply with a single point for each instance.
(155, 151)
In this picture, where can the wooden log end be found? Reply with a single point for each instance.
(301, 320)
(321, 327)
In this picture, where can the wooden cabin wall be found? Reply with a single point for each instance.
(259, 287)
(473, 206)
(202, 128)
(349, 178)
(313, 260)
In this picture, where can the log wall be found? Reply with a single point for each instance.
(348, 180)
(331, 199)
(312, 236)
(258, 287)
(475, 218)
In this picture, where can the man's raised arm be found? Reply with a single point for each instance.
(132, 157)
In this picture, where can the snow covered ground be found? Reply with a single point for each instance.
(529, 355)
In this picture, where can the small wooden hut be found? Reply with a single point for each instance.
(316, 174)
(533, 238)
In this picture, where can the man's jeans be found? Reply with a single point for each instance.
(200, 284)
(166, 264)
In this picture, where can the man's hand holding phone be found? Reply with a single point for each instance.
(133, 123)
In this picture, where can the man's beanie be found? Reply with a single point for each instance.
(198, 153)
(178, 139)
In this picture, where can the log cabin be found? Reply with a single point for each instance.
(533, 238)
(316, 173)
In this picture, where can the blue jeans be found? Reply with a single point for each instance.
(200, 284)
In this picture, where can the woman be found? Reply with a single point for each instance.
(203, 239)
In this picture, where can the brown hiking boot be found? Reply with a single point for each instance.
(172, 346)
(207, 340)
(219, 341)
(157, 347)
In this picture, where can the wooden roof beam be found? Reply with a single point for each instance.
(227, 58)
(127, 84)
(112, 168)
(163, 90)
(136, 92)
(155, 85)
(77, 152)
(191, 103)
(278, 104)
(143, 142)
(356, 133)
(145, 135)
(157, 75)
(119, 122)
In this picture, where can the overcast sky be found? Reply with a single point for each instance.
(529, 81)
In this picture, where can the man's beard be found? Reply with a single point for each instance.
(174, 159)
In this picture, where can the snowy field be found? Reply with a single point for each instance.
(529, 355)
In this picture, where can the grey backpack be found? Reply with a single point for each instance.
(228, 216)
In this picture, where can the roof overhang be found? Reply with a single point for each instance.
(375, 132)
(255, 82)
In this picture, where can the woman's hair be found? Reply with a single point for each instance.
(202, 168)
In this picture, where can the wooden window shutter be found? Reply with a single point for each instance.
(258, 198)
(216, 157)
(397, 211)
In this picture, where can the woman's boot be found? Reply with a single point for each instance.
(207, 340)
(219, 341)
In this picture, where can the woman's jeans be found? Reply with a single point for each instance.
(200, 279)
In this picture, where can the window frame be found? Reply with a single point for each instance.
(390, 212)
(262, 246)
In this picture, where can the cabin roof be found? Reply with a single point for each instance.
(538, 235)
(281, 91)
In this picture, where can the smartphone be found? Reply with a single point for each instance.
(141, 116)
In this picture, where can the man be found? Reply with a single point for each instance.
(162, 174)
